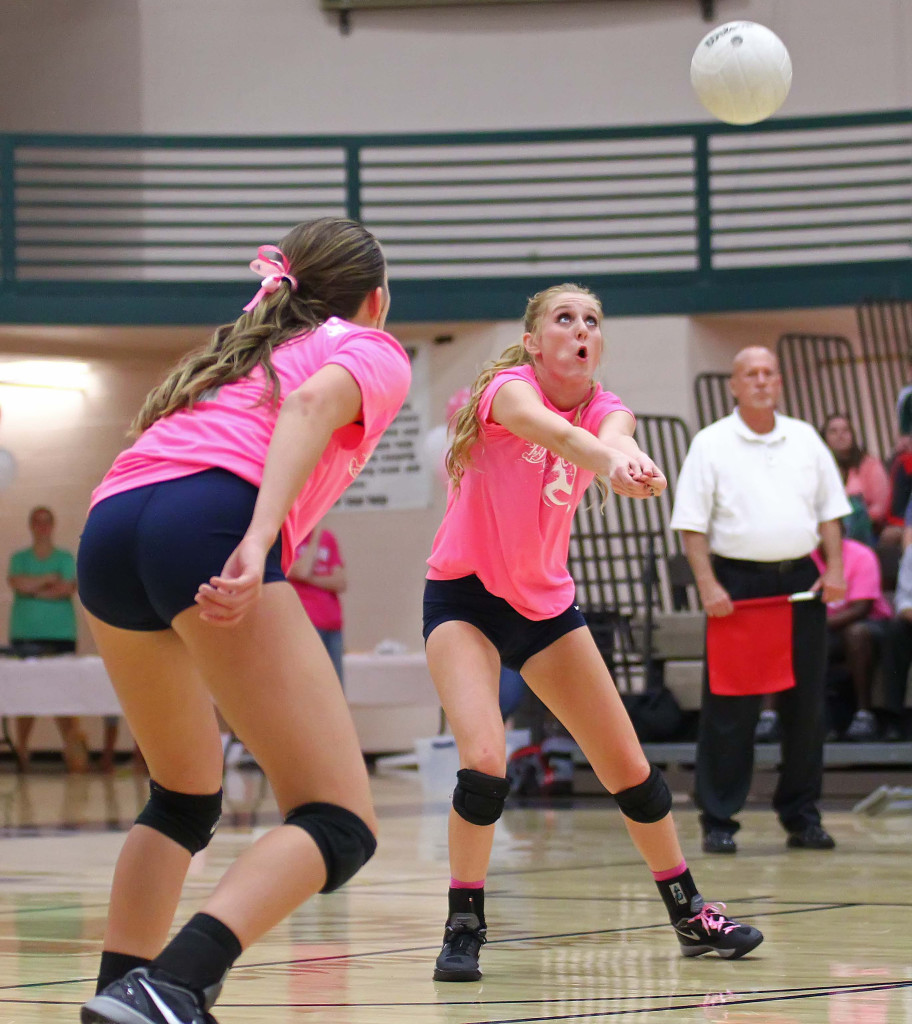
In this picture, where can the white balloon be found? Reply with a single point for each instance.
(435, 447)
(8, 468)
(741, 72)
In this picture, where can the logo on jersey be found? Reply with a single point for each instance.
(559, 475)
(333, 326)
(357, 463)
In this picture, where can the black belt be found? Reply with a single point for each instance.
(786, 565)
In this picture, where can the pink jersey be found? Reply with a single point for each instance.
(230, 428)
(509, 522)
(861, 569)
(323, 606)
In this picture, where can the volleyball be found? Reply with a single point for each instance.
(741, 72)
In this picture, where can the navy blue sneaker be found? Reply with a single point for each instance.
(462, 941)
(146, 996)
(710, 931)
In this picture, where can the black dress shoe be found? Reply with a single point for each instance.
(811, 837)
(717, 840)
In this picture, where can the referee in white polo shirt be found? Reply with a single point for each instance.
(757, 493)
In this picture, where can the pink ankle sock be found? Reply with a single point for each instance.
(663, 876)
(456, 884)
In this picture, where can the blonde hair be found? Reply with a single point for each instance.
(336, 262)
(466, 425)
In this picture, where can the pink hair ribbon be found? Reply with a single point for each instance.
(273, 266)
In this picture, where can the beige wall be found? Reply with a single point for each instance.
(716, 339)
(282, 66)
(70, 67)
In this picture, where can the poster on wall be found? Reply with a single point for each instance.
(397, 475)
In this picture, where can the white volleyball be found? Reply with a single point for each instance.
(741, 72)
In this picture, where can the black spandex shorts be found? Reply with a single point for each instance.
(515, 637)
(143, 553)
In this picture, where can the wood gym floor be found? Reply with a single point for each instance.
(577, 930)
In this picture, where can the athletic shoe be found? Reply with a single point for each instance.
(862, 728)
(146, 996)
(717, 840)
(767, 730)
(811, 837)
(462, 941)
(710, 931)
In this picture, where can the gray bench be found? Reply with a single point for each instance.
(766, 755)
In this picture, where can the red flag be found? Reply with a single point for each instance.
(750, 651)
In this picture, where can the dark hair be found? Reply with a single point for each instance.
(852, 458)
(37, 510)
(336, 262)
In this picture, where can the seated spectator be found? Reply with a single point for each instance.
(855, 628)
(904, 408)
(900, 492)
(900, 469)
(897, 654)
(866, 479)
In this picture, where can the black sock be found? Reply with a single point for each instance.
(200, 954)
(467, 901)
(114, 966)
(677, 893)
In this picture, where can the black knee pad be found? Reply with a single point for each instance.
(649, 801)
(188, 818)
(479, 798)
(345, 842)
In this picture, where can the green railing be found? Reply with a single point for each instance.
(664, 219)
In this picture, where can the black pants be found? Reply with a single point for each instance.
(897, 659)
(725, 745)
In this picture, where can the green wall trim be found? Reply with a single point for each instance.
(813, 210)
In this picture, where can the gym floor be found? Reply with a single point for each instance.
(577, 931)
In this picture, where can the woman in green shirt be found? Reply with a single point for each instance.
(43, 622)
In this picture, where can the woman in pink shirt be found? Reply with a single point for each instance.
(318, 576)
(535, 433)
(238, 455)
(863, 474)
(853, 627)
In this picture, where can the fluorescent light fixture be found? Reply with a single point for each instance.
(57, 374)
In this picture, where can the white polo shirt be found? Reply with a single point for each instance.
(758, 497)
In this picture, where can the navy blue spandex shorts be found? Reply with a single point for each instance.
(143, 553)
(515, 637)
